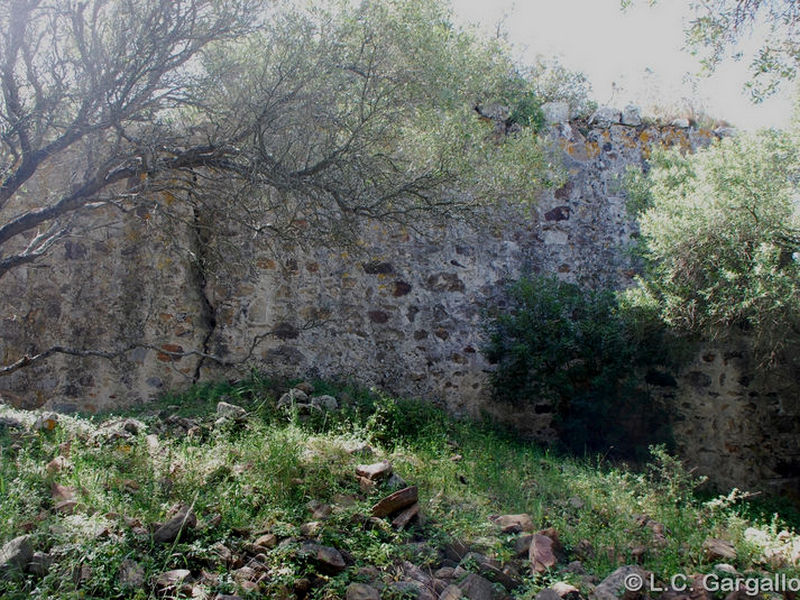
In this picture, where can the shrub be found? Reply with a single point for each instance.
(527, 111)
(405, 421)
(720, 240)
(581, 352)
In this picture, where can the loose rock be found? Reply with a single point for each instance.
(244, 574)
(584, 550)
(230, 411)
(547, 594)
(61, 493)
(293, 397)
(319, 510)
(719, 550)
(522, 546)
(412, 571)
(395, 482)
(410, 589)
(514, 523)
(476, 587)
(169, 531)
(171, 579)
(310, 529)
(57, 465)
(325, 402)
(726, 568)
(46, 422)
(565, 590)
(223, 552)
(329, 560)
(632, 115)
(376, 471)
(66, 507)
(541, 553)
(40, 564)
(617, 585)
(305, 387)
(724, 132)
(16, 554)
(451, 592)
(395, 502)
(361, 591)
(268, 541)
(605, 116)
(405, 517)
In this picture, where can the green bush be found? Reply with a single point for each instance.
(582, 353)
(527, 111)
(396, 421)
(720, 237)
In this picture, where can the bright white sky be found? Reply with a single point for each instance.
(616, 51)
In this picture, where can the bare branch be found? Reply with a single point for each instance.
(29, 360)
(37, 247)
(197, 157)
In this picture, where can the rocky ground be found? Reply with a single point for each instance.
(372, 533)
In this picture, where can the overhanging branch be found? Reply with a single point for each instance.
(29, 360)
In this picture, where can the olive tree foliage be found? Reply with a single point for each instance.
(272, 116)
(553, 81)
(87, 83)
(373, 112)
(719, 27)
(720, 235)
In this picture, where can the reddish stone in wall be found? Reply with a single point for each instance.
(378, 316)
(401, 288)
(165, 356)
(559, 213)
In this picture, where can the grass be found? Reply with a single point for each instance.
(261, 477)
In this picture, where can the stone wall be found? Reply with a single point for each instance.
(400, 310)
(739, 430)
(128, 283)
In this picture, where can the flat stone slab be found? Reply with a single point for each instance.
(514, 523)
(404, 518)
(395, 502)
(171, 579)
(376, 471)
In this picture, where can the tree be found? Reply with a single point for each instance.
(720, 238)
(87, 83)
(258, 113)
(719, 27)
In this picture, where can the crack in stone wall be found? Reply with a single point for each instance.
(207, 311)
